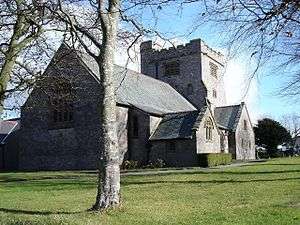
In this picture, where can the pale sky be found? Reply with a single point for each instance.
(261, 98)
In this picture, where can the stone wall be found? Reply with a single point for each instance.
(44, 147)
(204, 145)
(153, 63)
(9, 152)
(184, 155)
(211, 82)
(139, 146)
(244, 138)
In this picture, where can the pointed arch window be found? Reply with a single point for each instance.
(61, 104)
(209, 126)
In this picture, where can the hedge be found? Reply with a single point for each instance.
(214, 159)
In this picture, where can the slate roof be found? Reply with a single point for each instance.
(141, 91)
(7, 127)
(178, 125)
(227, 117)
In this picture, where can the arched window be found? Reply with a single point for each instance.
(209, 126)
(245, 125)
(61, 104)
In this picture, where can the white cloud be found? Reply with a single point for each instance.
(239, 87)
(131, 59)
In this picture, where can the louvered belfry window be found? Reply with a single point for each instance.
(213, 69)
(172, 68)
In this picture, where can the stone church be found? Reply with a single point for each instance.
(174, 110)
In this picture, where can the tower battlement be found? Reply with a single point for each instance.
(193, 47)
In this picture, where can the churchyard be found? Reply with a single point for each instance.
(255, 193)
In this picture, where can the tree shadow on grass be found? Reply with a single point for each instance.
(5, 179)
(127, 183)
(195, 172)
(41, 213)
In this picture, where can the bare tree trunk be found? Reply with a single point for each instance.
(108, 193)
(5, 74)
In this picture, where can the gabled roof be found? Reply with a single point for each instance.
(141, 91)
(7, 127)
(178, 125)
(227, 117)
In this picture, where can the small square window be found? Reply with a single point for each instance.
(214, 93)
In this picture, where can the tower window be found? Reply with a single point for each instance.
(214, 93)
(213, 69)
(190, 89)
(208, 129)
(172, 68)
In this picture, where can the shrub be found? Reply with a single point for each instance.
(158, 163)
(214, 159)
(129, 164)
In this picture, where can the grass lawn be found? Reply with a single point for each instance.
(264, 193)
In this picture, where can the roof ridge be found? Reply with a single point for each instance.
(125, 68)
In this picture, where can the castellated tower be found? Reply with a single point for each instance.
(194, 70)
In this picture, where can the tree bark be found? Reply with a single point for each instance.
(108, 191)
(21, 37)
(5, 74)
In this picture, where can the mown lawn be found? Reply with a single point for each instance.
(264, 193)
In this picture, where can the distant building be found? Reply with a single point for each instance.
(174, 110)
(8, 144)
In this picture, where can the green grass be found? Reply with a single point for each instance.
(264, 193)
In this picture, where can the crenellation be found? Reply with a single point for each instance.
(193, 47)
(216, 55)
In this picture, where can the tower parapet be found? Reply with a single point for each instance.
(193, 47)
